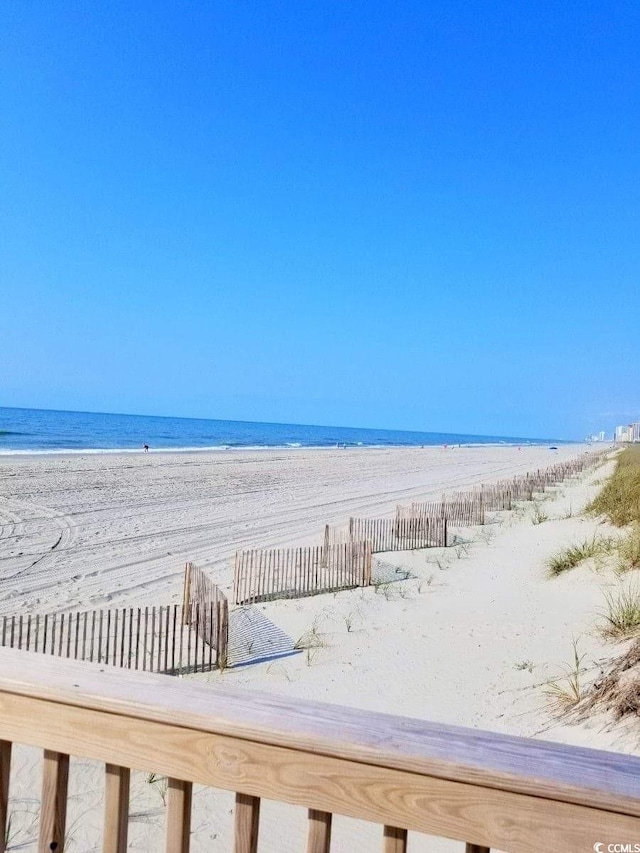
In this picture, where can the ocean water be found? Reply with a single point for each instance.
(48, 431)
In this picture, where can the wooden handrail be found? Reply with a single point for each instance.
(515, 794)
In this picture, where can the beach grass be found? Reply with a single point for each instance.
(623, 611)
(619, 500)
(574, 555)
(568, 690)
(539, 515)
(629, 550)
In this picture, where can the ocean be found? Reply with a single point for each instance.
(49, 431)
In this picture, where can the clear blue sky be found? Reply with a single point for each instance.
(406, 215)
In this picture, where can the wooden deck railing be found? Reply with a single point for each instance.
(514, 794)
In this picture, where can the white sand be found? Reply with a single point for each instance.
(455, 643)
(125, 524)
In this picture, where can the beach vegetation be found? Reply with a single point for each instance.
(8, 834)
(622, 615)
(382, 588)
(618, 692)
(21, 828)
(385, 589)
(619, 500)
(486, 535)
(539, 515)
(351, 619)
(159, 784)
(424, 581)
(310, 654)
(441, 562)
(629, 550)
(574, 555)
(567, 690)
(311, 639)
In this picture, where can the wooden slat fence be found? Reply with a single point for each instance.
(203, 596)
(293, 572)
(496, 497)
(152, 639)
(460, 511)
(394, 534)
(466, 508)
(500, 495)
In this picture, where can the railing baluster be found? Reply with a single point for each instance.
(178, 816)
(395, 840)
(319, 833)
(53, 812)
(116, 808)
(5, 767)
(246, 823)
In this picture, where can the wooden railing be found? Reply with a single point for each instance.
(513, 794)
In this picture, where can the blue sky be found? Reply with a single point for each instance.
(406, 215)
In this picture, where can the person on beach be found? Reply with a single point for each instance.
(145, 448)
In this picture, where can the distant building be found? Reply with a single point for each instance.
(628, 433)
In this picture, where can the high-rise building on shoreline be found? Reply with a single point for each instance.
(628, 433)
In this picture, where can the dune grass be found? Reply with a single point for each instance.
(629, 550)
(539, 515)
(619, 500)
(618, 692)
(567, 690)
(623, 611)
(572, 556)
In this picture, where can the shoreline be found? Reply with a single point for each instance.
(224, 448)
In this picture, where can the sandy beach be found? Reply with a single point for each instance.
(470, 637)
(82, 530)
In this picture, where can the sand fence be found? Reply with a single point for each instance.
(206, 609)
(260, 575)
(194, 636)
(460, 510)
(343, 561)
(400, 534)
(171, 639)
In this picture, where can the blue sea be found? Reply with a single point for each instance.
(48, 431)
